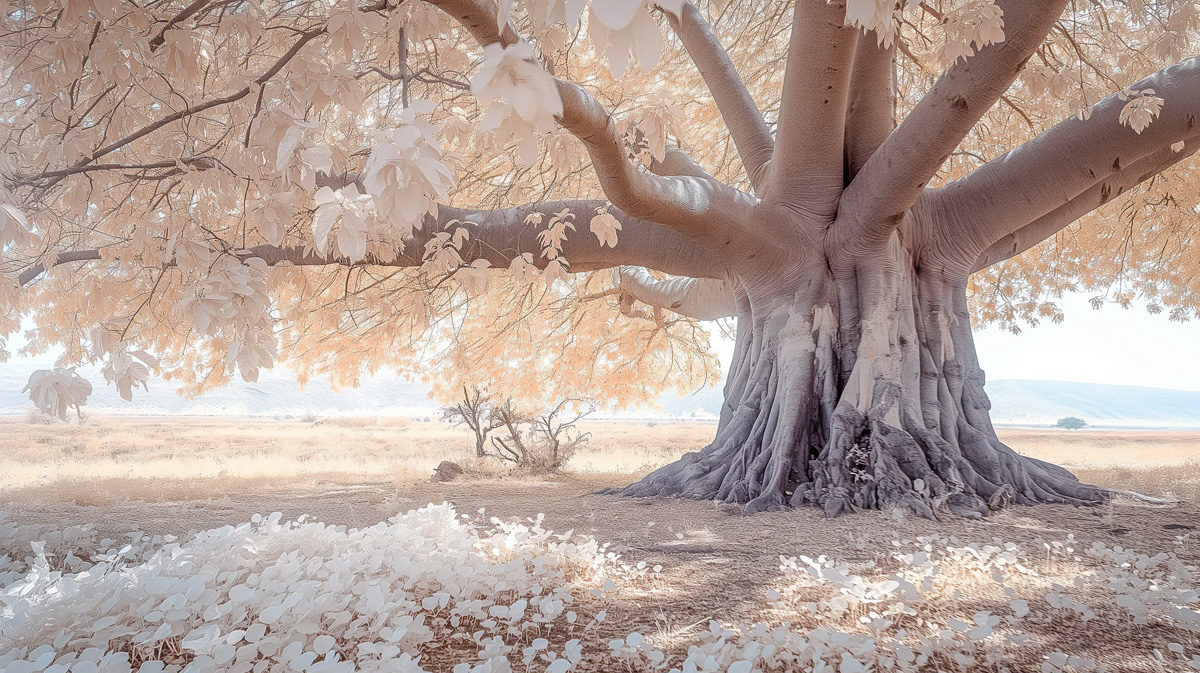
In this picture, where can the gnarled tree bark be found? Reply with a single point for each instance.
(861, 391)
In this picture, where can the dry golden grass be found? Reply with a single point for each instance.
(1158, 463)
(107, 460)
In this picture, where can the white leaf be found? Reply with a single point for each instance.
(616, 14)
(287, 147)
(55, 391)
(323, 221)
(605, 227)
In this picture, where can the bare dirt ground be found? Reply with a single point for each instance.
(178, 476)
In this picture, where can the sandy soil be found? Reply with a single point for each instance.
(721, 568)
(724, 563)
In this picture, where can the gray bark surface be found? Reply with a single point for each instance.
(862, 392)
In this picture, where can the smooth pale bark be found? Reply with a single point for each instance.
(812, 112)
(871, 109)
(746, 125)
(1071, 158)
(892, 179)
(896, 417)
(499, 236)
(699, 298)
(1102, 193)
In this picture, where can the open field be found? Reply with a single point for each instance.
(1053, 591)
(105, 460)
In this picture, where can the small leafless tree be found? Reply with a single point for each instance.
(557, 431)
(540, 442)
(512, 449)
(476, 411)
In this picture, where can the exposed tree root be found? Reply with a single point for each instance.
(888, 412)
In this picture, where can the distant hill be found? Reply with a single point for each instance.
(275, 394)
(1027, 402)
(1014, 402)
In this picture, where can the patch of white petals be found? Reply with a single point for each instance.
(14, 227)
(552, 239)
(348, 27)
(405, 176)
(352, 210)
(229, 302)
(605, 227)
(877, 15)
(907, 614)
(422, 21)
(124, 366)
(1141, 108)
(127, 369)
(649, 136)
(54, 391)
(300, 159)
(273, 215)
(522, 98)
(268, 595)
(970, 28)
(474, 276)
(624, 29)
(442, 255)
(523, 269)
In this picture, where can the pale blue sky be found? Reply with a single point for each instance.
(1110, 345)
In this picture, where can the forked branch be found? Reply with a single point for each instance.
(898, 172)
(742, 117)
(812, 114)
(697, 206)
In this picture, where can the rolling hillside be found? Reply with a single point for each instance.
(1014, 402)
(1025, 402)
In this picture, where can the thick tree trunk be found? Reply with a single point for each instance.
(859, 388)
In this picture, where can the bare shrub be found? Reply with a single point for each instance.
(475, 410)
(536, 441)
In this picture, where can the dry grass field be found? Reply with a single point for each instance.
(176, 476)
(109, 460)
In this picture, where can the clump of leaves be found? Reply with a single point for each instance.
(267, 594)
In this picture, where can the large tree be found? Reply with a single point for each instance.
(213, 179)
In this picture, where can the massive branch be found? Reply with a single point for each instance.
(699, 298)
(742, 117)
(1085, 202)
(871, 109)
(812, 113)
(499, 236)
(702, 208)
(1056, 171)
(898, 172)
